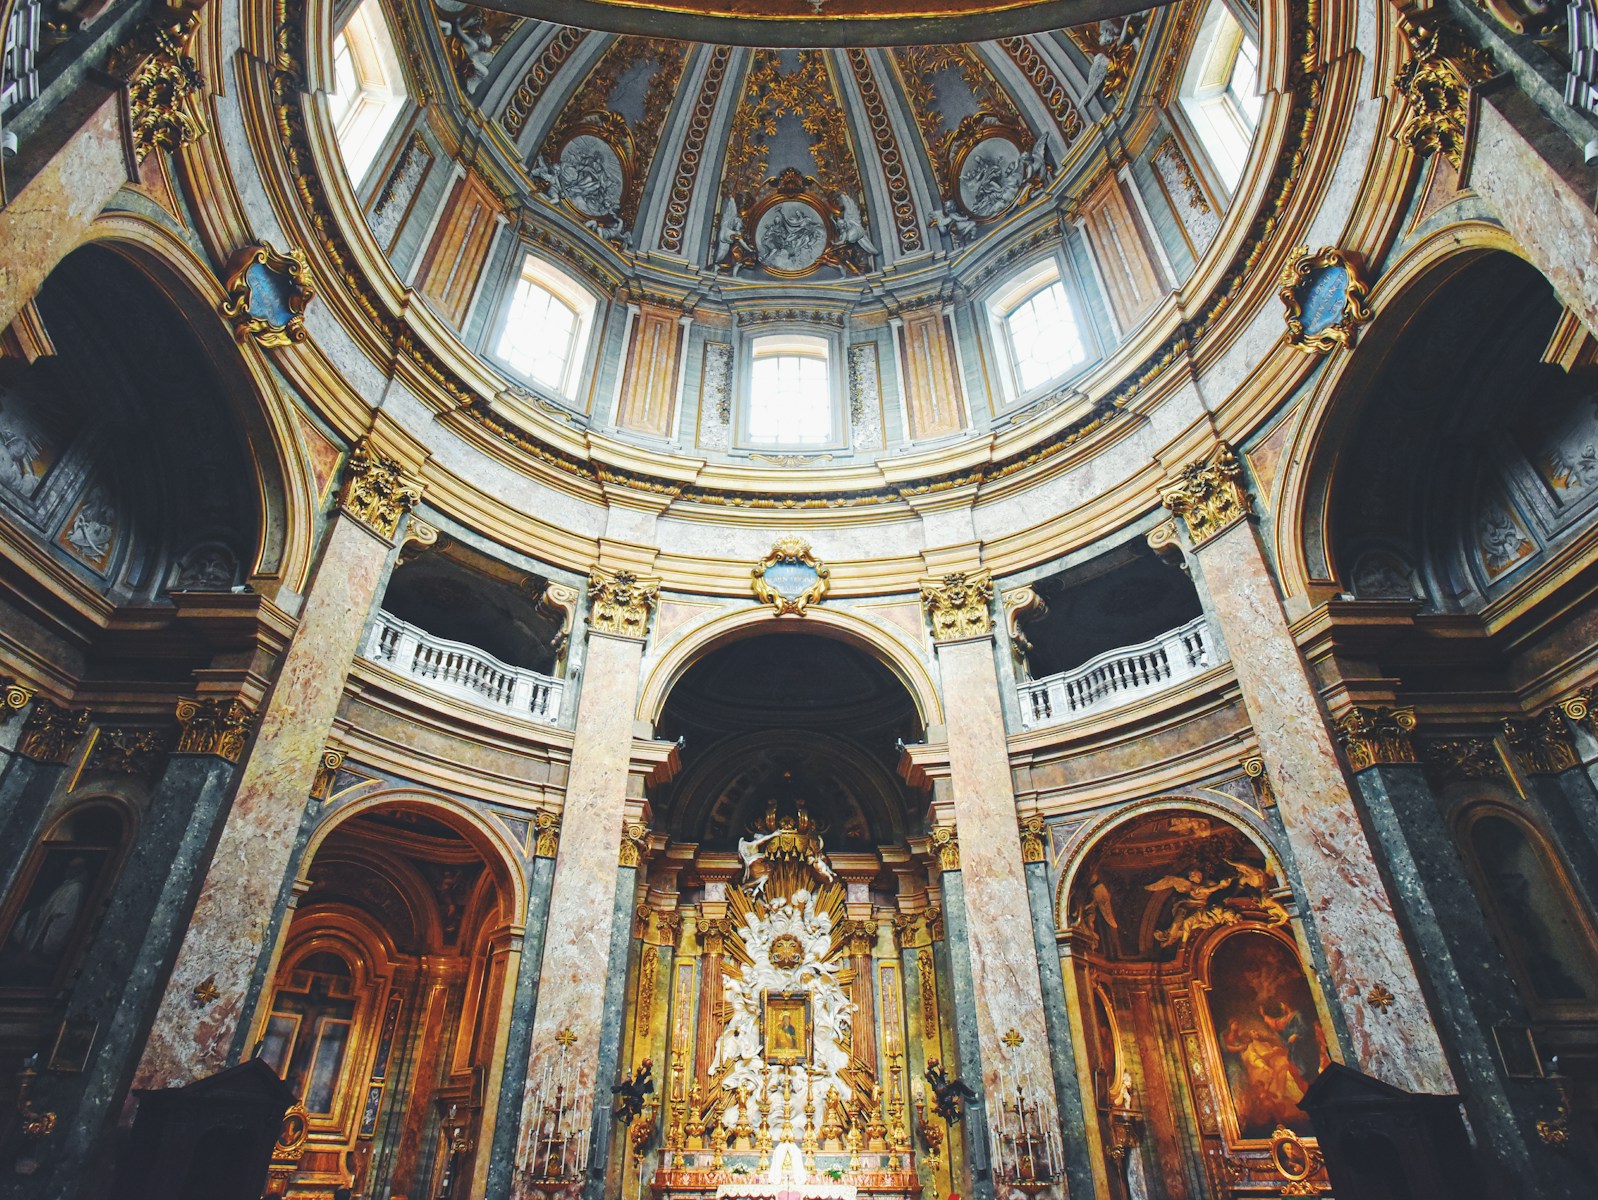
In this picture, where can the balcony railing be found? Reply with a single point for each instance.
(1117, 677)
(462, 671)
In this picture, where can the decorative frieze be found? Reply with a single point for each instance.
(946, 843)
(377, 492)
(163, 84)
(1210, 496)
(220, 727)
(1034, 839)
(13, 698)
(51, 732)
(132, 752)
(1542, 744)
(327, 769)
(619, 602)
(546, 834)
(959, 605)
(1450, 760)
(1377, 736)
(1436, 82)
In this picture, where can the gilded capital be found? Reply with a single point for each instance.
(546, 834)
(1209, 495)
(219, 727)
(51, 732)
(634, 844)
(1436, 83)
(620, 602)
(1034, 839)
(1542, 744)
(1259, 779)
(1577, 707)
(377, 492)
(163, 85)
(327, 769)
(1377, 736)
(13, 698)
(947, 844)
(959, 605)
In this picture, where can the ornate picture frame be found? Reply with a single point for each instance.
(786, 1033)
(1324, 297)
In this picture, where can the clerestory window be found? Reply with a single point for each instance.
(368, 87)
(1220, 94)
(545, 333)
(790, 399)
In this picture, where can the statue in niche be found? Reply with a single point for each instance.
(1193, 912)
(1095, 921)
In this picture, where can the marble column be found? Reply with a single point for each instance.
(1062, 1049)
(507, 1127)
(563, 1077)
(974, 1164)
(231, 922)
(48, 738)
(1007, 989)
(1472, 986)
(1372, 975)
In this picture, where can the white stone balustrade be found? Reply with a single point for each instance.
(1117, 677)
(462, 671)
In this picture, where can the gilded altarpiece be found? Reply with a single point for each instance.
(1200, 1026)
(769, 1001)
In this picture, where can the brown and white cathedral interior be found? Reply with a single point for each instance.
(798, 599)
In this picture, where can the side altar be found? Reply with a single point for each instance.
(788, 1075)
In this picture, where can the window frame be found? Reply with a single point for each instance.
(565, 289)
(1218, 130)
(748, 351)
(364, 122)
(1012, 294)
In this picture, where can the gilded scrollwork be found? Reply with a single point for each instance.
(220, 727)
(959, 605)
(1210, 496)
(1259, 778)
(377, 491)
(52, 731)
(14, 697)
(163, 83)
(1436, 84)
(1449, 760)
(946, 843)
(546, 833)
(619, 602)
(267, 292)
(1323, 298)
(1034, 839)
(790, 591)
(1377, 736)
(327, 769)
(634, 844)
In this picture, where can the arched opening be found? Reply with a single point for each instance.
(785, 912)
(385, 1012)
(1202, 1028)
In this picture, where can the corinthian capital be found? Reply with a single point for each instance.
(1209, 495)
(377, 492)
(620, 602)
(959, 605)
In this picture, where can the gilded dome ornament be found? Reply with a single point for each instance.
(1324, 297)
(790, 578)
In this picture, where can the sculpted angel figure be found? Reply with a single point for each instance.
(1037, 164)
(549, 176)
(749, 854)
(730, 233)
(1260, 880)
(1097, 908)
(851, 226)
(1192, 913)
(952, 224)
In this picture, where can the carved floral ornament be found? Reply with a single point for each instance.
(1437, 84)
(266, 295)
(959, 605)
(790, 577)
(1209, 495)
(162, 82)
(620, 602)
(1324, 299)
(377, 492)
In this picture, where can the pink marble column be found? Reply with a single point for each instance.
(1004, 965)
(1374, 978)
(192, 1037)
(564, 1058)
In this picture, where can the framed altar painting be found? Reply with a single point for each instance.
(1265, 1031)
(785, 1031)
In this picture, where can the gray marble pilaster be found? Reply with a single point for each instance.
(957, 939)
(25, 791)
(518, 1042)
(622, 948)
(1062, 1053)
(1570, 804)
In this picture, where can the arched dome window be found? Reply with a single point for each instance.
(1036, 326)
(790, 391)
(368, 87)
(1221, 92)
(546, 326)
